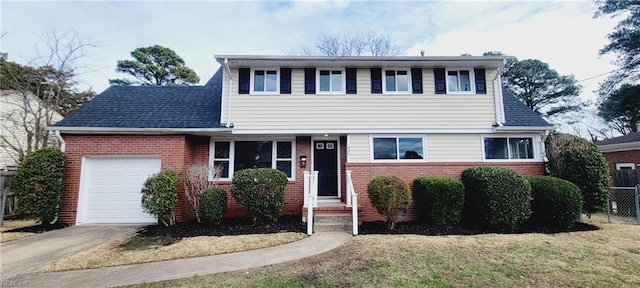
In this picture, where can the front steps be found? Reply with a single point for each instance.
(330, 217)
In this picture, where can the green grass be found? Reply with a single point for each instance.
(605, 258)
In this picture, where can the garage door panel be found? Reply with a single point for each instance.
(111, 189)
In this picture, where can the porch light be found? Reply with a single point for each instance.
(303, 161)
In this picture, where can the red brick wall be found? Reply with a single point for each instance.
(362, 173)
(171, 148)
(632, 156)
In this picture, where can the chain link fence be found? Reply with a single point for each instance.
(624, 205)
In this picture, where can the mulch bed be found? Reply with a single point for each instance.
(380, 227)
(39, 228)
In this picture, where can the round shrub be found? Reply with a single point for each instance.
(38, 184)
(438, 200)
(213, 204)
(160, 194)
(495, 198)
(389, 195)
(581, 162)
(262, 191)
(556, 202)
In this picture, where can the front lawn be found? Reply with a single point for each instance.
(609, 257)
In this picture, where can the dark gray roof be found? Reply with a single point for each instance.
(629, 138)
(517, 113)
(152, 107)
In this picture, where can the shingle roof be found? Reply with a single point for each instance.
(629, 138)
(152, 107)
(517, 113)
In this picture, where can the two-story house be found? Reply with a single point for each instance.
(406, 116)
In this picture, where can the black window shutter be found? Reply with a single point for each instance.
(376, 80)
(310, 81)
(481, 81)
(243, 80)
(440, 81)
(285, 80)
(416, 80)
(351, 81)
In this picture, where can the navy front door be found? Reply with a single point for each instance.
(325, 158)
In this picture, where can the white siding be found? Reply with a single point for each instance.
(359, 148)
(363, 110)
(454, 147)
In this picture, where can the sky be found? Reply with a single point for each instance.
(563, 34)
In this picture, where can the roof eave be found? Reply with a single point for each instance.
(524, 128)
(121, 130)
(619, 147)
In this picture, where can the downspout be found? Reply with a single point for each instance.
(229, 90)
(63, 145)
(497, 91)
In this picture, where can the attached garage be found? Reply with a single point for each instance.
(110, 189)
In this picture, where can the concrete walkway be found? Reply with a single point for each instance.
(174, 269)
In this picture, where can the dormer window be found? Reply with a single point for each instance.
(331, 81)
(264, 81)
(396, 81)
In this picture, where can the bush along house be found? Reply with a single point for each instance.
(348, 118)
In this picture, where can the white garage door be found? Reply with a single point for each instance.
(110, 189)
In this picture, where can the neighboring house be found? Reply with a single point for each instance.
(20, 113)
(622, 153)
(407, 116)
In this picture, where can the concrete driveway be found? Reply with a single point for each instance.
(25, 255)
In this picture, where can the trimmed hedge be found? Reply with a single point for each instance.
(389, 195)
(160, 195)
(262, 191)
(495, 198)
(556, 202)
(438, 200)
(38, 184)
(213, 204)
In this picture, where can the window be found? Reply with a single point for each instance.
(238, 155)
(396, 81)
(625, 166)
(508, 148)
(265, 81)
(459, 81)
(331, 81)
(398, 148)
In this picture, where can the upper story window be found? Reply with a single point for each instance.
(396, 81)
(331, 81)
(398, 148)
(265, 81)
(459, 81)
(496, 148)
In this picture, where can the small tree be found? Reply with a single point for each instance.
(389, 195)
(38, 184)
(160, 194)
(582, 163)
(262, 191)
(196, 180)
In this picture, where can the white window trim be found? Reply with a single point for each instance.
(619, 166)
(472, 79)
(398, 160)
(344, 81)
(252, 81)
(274, 154)
(409, 81)
(535, 143)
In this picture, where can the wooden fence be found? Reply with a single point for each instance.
(626, 178)
(10, 203)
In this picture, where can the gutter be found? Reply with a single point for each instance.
(227, 71)
(63, 145)
(120, 130)
(524, 128)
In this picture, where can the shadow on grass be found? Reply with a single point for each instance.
(39, 228)
(418, 228)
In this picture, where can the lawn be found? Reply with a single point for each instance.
(609, 257)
